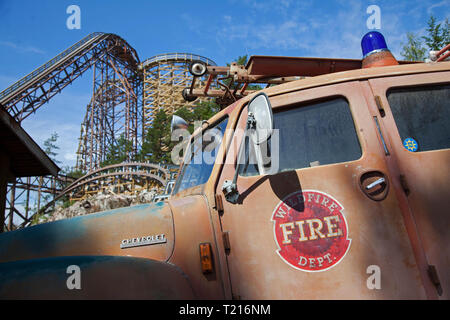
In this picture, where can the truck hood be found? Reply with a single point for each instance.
(144, 231)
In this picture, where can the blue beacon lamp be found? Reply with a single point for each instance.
(375, 51)
(373, 42)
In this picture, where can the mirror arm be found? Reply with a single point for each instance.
(229, 188)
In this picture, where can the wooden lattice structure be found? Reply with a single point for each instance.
(165, 77)
(124, 178)
(113, 111)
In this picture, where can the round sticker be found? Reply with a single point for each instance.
(410, 144)
(310, 231)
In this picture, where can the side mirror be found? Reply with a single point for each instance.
(178, 123)
(260, 119)
(259, 128)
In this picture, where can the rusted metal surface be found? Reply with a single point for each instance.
(271, 70)
(195, 209)
(380, 59)
(427, 175)
(360, 74)
(442, 54)
(95, 234)
(102, 277)
(293, 66)
(394, 230)
(406, 236)
(376, 230)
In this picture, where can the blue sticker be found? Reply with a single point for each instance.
(410, 144)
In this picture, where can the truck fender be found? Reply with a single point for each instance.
(93, 277)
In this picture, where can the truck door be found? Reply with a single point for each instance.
(327, 225)
(417, 114)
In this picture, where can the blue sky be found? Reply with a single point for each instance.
(32, 32)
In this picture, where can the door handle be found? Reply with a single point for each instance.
(375, 183)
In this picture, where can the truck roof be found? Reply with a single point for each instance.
(345, 76)
(353, 73)
(358, 74)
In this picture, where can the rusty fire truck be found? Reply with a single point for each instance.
(315, 183)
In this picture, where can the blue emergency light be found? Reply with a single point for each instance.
(373, 42)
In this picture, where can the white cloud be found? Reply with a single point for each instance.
(22, 48)
(437, 5)
(299, 27)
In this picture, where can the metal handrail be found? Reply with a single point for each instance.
(33, 75)
(176, 57)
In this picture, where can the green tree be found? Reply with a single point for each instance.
(446, 32)
(436, 37)
(241, 60)
(50, 147)
(118, 152)
(72, 172)
(413, 50)
(156, 144)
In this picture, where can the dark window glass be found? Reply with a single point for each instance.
(310, 135)
(204, 148)
(423, 114)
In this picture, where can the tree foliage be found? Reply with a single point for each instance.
(413, 50)
(437, 37)
(50, 147)
(157, 143)
(118, 152)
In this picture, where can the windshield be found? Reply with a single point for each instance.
(200, 160)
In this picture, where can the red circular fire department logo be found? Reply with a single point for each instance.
(311, 231)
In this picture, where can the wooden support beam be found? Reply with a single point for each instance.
(4, 177)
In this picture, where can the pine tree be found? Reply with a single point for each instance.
(119, 152)
(413, 50)
(446, 33)
(156, 145)
(50, 147)
(437, 38)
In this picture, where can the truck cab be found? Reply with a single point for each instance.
(361, 184)
(344, 196)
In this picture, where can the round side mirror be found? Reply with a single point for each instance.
(178, 123)
(197, 68)
(261, 110)
(187, 96)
